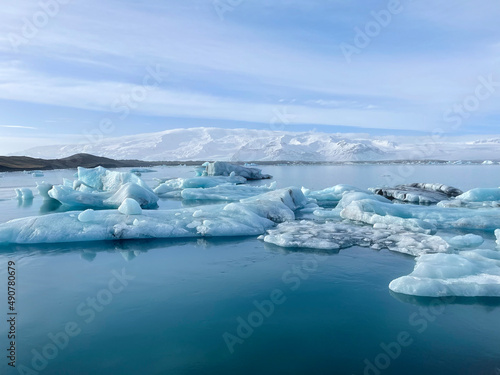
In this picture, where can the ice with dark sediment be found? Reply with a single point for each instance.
(419, 193)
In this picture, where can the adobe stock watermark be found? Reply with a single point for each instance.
(86, 312)
(364, 35)
(457, 114)
(264, 309)
(281, 118)
(223, 6)
(126, 103)
(419, 321)
(47, 10)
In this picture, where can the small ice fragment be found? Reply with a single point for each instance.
(87, 216)
(468, 241)
(130, 207)
(24, 194)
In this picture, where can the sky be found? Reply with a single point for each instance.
(74, 68)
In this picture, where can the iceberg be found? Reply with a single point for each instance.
(174, 187)
(78, 199)
(220, 168)
(497, 235)
(102, 179)
(130, 207)
(466, 242)
(419, 193)
(334, 236)
(226, 192)
(473, 273)
(24, 194)
(43, 189)
(417, 218)
(251, 216)
(146, 198)
(100, 188)
(331, 195)
(141, 170)
(37, 173)
(480, 195)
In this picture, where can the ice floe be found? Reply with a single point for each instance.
(100, 188)
(466, 242)
(24, 194)
(473, 273)
(331, 195)
(251, 216)
(220, 168)
(174, 187)
(417, 218)
(130, 207)
(226, 192)
(480, 195)
(419, 193)
(331, 236)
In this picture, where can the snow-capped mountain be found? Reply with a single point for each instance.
(265, 145)
(225, 144)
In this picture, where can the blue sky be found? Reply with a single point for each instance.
(68, 67)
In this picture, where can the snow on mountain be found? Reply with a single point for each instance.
(225, 144)
(264, 145)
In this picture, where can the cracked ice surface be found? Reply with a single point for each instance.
(308, 234)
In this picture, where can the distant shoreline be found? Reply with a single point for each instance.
(25, 163)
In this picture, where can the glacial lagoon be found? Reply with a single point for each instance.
(239, 304)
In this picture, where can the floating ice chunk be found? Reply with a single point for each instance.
(488, 162)
(130, 207)
(101, 179)
(174, 187)
(419, 193)
(481, 195)
(79, 199)
(468, 241)
(37, 173)
(24, 194)
(418, 218)
(87, 216)
(68, 183)
(142, 170)
(474, 273)
(372, 212)
(43, 189)
(332, 194)
(220, 168)
(226, 192)
(144, 197)
(292, 197)
(348, 198)
(497, 235)
(308, 234)
(252, 216)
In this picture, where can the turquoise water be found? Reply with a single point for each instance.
(177, 307)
